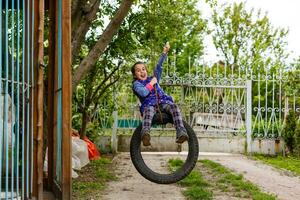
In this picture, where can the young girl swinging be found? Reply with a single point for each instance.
(153, 99)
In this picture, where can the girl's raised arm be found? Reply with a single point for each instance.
(158, 68)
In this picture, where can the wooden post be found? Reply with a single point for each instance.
(63, 190)
(66, 101)
(38, 99)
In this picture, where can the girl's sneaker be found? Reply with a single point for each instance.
(181, 136)
(146, 139)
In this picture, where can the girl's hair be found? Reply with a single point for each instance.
(133, 67)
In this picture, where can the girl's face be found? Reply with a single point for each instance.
(140, 72)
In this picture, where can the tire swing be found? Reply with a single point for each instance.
(146, 172)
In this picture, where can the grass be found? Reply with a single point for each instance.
(197, 187)
(196, 192)
(217, 178)
(85, 188)
(289, 163)
(237, 183)
(92, 179)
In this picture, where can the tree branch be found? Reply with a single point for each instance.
(76, 8)
(104, 81)
(105, 88)
(81, 24)
(88, 62)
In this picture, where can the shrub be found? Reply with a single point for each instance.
(297, 138)
(289, 131)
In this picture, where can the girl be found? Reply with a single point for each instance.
(144, 87)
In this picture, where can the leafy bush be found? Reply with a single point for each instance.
(297, 138)
(289, 131)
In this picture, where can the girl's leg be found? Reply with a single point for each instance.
(175, 112)
(147, 121)
(181, 134)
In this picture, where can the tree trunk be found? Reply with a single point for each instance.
(84, 124)
(89, 61)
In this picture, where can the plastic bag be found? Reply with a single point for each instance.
(80, 154)
(94, 154)
(10, 120)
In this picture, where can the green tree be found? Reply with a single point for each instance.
(249, 44)
(292, 86)
(247, 39)
(95, 57)
(96, 86)
(178, 22)
(84, 14)
(297, 138)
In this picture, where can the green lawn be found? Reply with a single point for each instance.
(288, 163)
(209, 177)
(92, 179)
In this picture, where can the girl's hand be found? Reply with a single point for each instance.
(166, 48)
(153, 81)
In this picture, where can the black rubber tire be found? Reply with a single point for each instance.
(146, 172)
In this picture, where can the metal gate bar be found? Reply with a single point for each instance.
(16, 102)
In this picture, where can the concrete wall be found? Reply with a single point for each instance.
(268, 146)
(207, 143)
(104, 144)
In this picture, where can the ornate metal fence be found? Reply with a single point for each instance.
(272, 101)
(210, 102)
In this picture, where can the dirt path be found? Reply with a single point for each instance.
(132, 186)
(266, 177)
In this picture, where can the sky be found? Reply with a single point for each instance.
(282, 13)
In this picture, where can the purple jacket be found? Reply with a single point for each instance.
(146, 92)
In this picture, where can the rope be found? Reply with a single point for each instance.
(157, 95)
(157, 103)
(152, 26)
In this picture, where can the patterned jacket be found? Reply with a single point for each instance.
(146, 92)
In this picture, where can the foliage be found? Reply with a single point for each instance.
(297, 139)
(248, 43)
(180, 23)
(84, 14)
(289, 131)
(292, 84)
(288, 163)
(246, 39)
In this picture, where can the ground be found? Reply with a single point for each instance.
(131, 185)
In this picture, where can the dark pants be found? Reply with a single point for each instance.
(172, 109)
